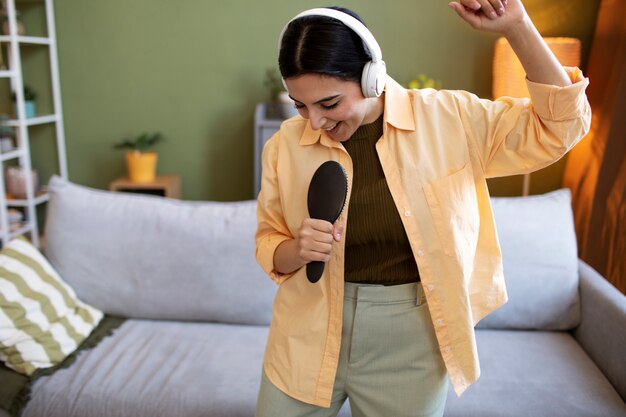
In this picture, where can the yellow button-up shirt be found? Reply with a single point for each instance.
(437, 149)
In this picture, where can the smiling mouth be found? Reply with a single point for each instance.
(333, 128)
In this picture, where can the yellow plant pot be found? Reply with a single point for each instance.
(141, 166)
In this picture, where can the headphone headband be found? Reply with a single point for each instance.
(359, 28)
(374, 73)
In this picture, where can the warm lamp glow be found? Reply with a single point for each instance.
(509, 75)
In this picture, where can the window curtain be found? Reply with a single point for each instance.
(596, 168)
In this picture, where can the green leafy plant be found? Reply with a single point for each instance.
(273, 83)
(141, 143)
(29, 94)
(423, 81)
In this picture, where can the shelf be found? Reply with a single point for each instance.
(27, 40)
(39, 120)
(28, 227)
(11, 155)
(40, 199)
(7, 74)
(40, 38)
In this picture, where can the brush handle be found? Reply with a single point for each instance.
(314, 271)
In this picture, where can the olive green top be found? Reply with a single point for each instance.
(377, 247)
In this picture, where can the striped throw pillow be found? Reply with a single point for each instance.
(41, 319)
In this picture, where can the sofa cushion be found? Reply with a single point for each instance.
(150, 257)
(167, 369)
(159, 368)
(539, 374)
(540, 259)
(41, 319)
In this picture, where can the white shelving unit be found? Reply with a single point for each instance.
(14, 42)
(264, 129)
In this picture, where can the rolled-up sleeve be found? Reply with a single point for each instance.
(520, 135)
(271, 229)
(560, 103)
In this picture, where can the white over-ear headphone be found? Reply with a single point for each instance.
(374, 73)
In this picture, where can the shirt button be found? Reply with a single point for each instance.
(446, 349)
(407, 213)
(440, 322)
(430, 287)
(420, 253)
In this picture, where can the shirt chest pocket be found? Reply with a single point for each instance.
(454, 209)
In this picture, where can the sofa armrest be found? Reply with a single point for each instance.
(602, 329)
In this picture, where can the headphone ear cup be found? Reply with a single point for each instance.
(373, 79)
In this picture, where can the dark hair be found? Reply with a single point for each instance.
(322, 45)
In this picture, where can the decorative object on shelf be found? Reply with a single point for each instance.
(7, 135)
(15, 220)
(141, 162)
(280, 106)
(423, 81)
(21, 29)
(509, 77)
(30, 107)
(15, 182)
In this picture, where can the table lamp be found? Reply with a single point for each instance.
(509, 77)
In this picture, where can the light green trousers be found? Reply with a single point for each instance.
(389, 364)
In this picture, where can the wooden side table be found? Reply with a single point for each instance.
(164, 185)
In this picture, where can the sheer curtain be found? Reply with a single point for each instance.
(596, 168)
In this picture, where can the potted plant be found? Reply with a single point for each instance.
(424, 81)
(140, 160)
(29, 101)
(280, 105)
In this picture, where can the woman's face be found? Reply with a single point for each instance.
(333, 104)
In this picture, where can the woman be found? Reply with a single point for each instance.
(391, 320)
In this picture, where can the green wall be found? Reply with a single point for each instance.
(194, 70)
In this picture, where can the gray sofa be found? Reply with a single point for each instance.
(199, 307)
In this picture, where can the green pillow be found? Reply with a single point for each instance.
(41, 319)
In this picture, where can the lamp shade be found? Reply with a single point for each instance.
(509, 77)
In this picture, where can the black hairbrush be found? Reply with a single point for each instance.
(327, 196)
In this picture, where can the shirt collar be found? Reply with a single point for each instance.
(398, 113)
(398, 106)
